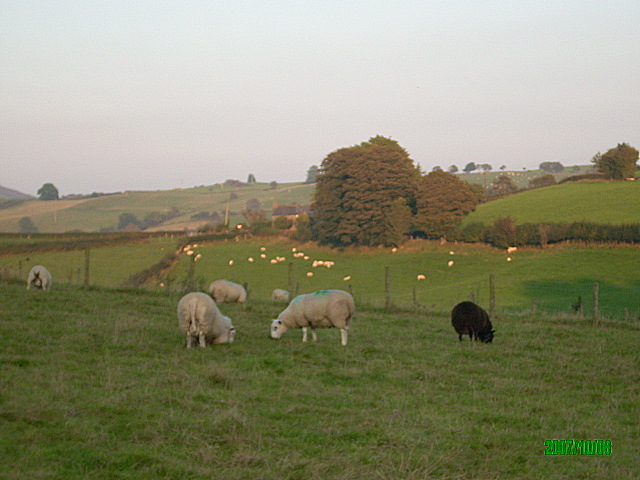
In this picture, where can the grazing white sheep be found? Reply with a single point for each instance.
(39, 277)
(323, 309)
(199, 317)
(421, 277)
(280, 295)
(226, 291)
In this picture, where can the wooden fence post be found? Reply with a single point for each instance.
(87, 262)
(596, 307)
(492, 296)
(387, 289)
(290, 281)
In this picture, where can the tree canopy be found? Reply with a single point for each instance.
(470, 167)
(48, 192)
(442, 202)
(364, 194)
(551, 167)
(312, 174)
(373, 194)
(618, 162)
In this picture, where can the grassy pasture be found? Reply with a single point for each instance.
(598, 202)
(108, 266)
(555, 277)
(97, 384)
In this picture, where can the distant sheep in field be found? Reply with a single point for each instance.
(469, 318)
(323, 309)
(199, 318)
(280, 295)
(39, 277)
(226, 291)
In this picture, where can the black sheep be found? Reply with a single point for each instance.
(469, 318)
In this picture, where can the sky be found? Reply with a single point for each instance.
(107, 96)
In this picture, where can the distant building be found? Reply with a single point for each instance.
(292, 212)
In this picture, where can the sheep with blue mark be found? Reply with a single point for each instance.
(280, 295)
(322, 309)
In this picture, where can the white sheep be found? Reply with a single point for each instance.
(323, 309)
(199, 317)
(39, 277)
(226, 291)
(280, 295)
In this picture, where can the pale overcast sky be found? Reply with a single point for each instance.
(143, 95)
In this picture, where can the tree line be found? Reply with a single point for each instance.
(373, 194)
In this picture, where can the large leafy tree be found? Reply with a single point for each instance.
(442, 202)
(312, 174)
(48, 192)
(365, 194)
(618, 163)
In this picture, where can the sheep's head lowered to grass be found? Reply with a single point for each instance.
(470, 319)
(277, 328)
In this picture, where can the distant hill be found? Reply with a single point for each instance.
(8, 193)
(176, 209)
(521, 178)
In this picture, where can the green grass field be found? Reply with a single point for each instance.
(597, 202)
(554, 277)
(97, 384)
(108, 266)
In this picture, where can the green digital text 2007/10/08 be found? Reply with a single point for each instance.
(577, 447)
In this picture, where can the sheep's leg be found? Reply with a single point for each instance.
(314, 337)
(304, 334)
(189, 340)
(343, 335)
(203, 342)
(460, 337)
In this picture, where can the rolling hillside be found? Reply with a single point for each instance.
(10, 194)
(95, 214)
(598, 202)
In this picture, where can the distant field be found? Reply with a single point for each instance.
(521, 178)
(108, 266)
(598, 202)
(554, 278)
(97, 384)
(91, 215)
